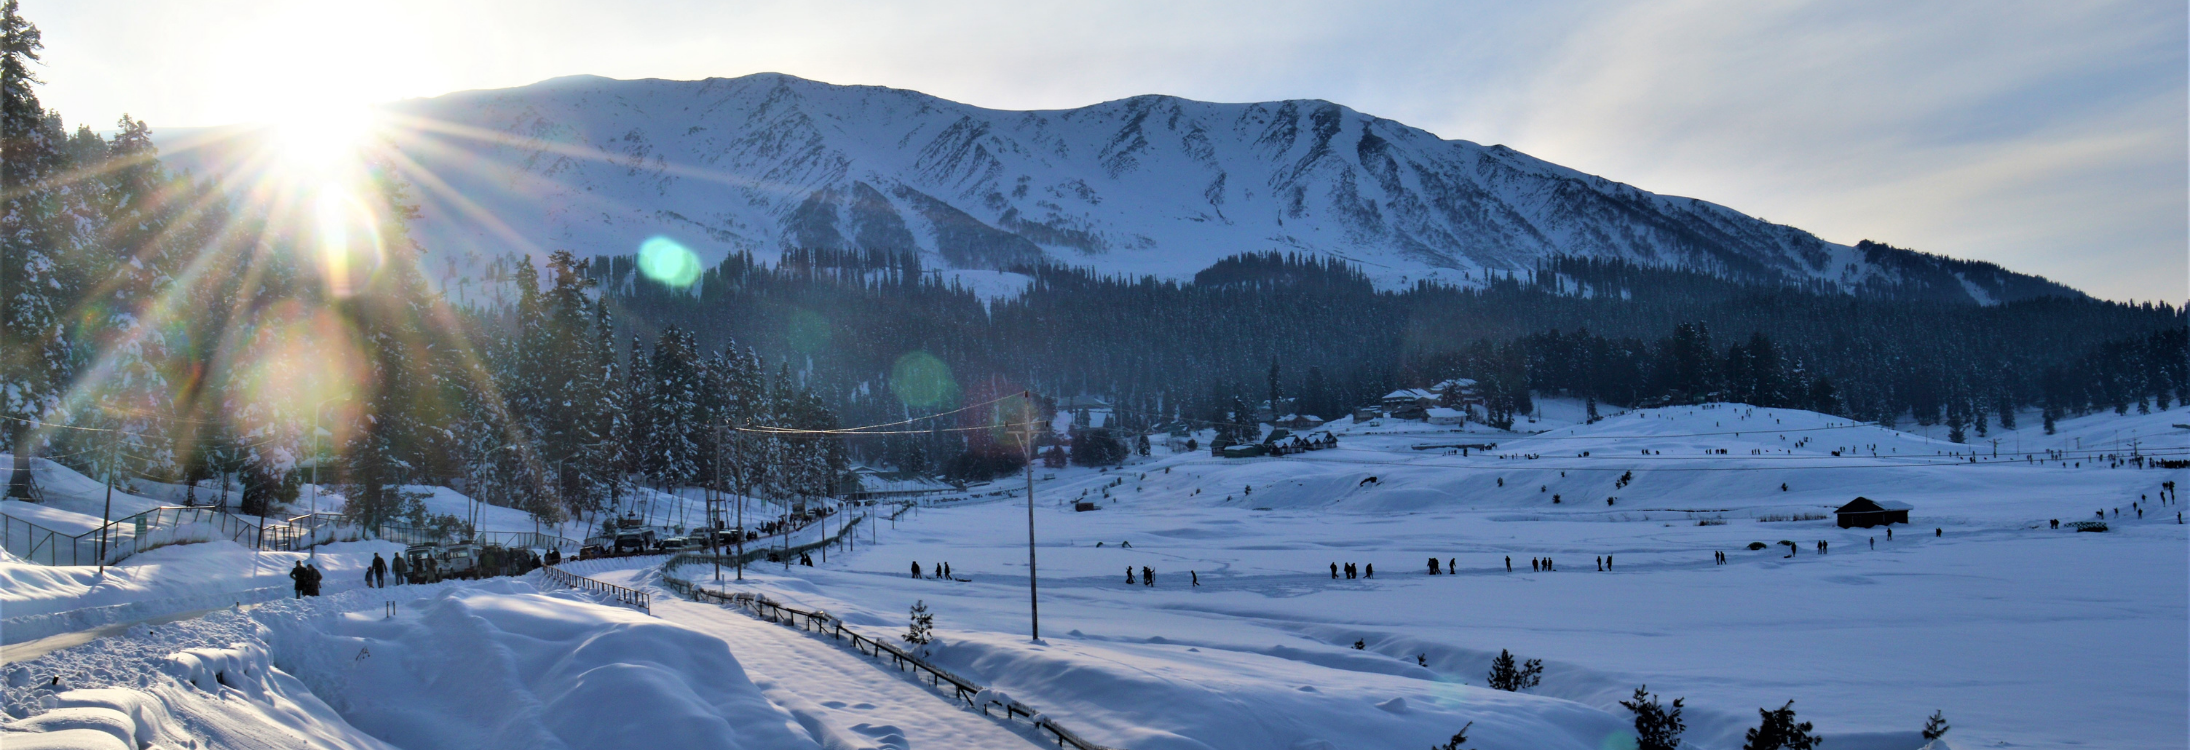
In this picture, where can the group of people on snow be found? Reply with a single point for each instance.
(1365, 571)
(941, 570)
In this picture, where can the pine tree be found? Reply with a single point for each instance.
(1778, 731)
(921, 628)
(1505, 675)
(1655, 727)
(1459, 739)
(1936, 726)
(35, 355)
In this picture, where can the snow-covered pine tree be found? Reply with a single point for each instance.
(920, 629)
(35, 356)
(672, 457)
(606, 462)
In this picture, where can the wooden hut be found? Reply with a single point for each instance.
(1864, 512)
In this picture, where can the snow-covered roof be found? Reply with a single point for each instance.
(1409, 393)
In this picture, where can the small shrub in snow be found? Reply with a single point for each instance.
(1459, 739)
(1936, 726)
(1780, 732)
(1505, 675)
(1655, 727)
(1756, 545)
(922, 628)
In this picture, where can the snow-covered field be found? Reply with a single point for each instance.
(2024, 635)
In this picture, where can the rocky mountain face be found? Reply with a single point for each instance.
(1151, 185)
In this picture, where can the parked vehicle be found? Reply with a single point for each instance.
(634, 541)
(459, 561)
(423, 562)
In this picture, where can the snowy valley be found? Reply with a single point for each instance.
(2021, 633)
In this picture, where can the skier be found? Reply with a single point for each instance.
(916, 569)
(297, 577)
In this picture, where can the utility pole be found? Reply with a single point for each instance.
(105, 515)
(740, 468)
(1034, 601)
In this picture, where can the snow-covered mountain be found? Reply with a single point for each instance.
(1147, 185)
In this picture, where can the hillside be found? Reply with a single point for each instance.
(1150, 185)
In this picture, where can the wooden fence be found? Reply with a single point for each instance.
(628, 597)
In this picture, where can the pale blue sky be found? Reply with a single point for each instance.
(2052, 138)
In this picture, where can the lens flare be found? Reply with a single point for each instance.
(665, 260)
(807, 331)
(336, 214)
(297, 361)
(922, 381)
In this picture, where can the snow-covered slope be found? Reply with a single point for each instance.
(1146, 185)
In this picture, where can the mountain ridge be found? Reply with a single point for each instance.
(1143, 185)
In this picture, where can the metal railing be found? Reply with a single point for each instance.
(143, 532)
(629, 597)
(961, 689)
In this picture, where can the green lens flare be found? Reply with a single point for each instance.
(663, 259)
(920, 380)
(807, 331)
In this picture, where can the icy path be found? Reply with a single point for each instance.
(844, 699)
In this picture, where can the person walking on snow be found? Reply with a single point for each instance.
(376, 575)
(297, 577)
(916, 569)
(1334, 571)
(1509, 563)
(312, 577)
(1433, 566)
(402, 570)
(1194, 575)
(1369, 571)
(947, 571)
(1148, 577)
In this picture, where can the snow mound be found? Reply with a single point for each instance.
(474, 669)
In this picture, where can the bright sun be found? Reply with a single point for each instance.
(322, 137)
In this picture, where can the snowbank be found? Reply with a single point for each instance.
(43, 600)
(502, 666)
